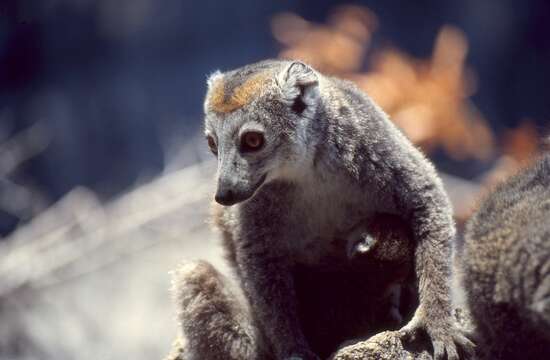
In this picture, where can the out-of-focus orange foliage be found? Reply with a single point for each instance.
(336, 48)
(520, 146)
(522, 143)
(427, 98)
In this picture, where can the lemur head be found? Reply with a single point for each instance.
(256, 122)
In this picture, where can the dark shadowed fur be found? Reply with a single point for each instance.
(339, 304)
(335, 304)
(328, 160)
(506, 260)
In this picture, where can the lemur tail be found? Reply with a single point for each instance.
(214, 322)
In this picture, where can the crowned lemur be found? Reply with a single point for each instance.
(303, 160)
(506, 263)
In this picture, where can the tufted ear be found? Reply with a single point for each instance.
(299, 86)
(212, 91)
(212, 78)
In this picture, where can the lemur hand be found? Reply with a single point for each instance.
(445, 337)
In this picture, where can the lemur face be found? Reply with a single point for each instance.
(256, 121)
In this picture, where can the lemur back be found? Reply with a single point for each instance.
(506, 260)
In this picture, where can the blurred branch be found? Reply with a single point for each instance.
(21, 201)
(21, 147)
(77, 235)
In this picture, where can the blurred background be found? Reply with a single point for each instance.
(104, 177)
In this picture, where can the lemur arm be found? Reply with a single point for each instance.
(428, 210)
(420, 197)
(268, 286)
(265, 273)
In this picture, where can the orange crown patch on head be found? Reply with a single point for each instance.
(225, 99)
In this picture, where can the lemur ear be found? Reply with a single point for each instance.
(299, 85)
(212, 78)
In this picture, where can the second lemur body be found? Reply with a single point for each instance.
(302, 159)
(506, 264)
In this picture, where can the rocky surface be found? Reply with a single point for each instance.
(383, 346)
(387, 345)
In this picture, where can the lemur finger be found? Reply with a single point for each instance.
(439, 350)
(452, 353)
(466, 345)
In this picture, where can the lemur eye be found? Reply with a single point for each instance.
(212, 144)
(251, 141)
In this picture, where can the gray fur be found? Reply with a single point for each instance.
(506, 260)
(217, 324)
(320, 173)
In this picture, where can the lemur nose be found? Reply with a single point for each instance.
(225, 197)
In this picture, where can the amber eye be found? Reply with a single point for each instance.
(251, 141)
(212, 145)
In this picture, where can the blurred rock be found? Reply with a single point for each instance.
(82, 264)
